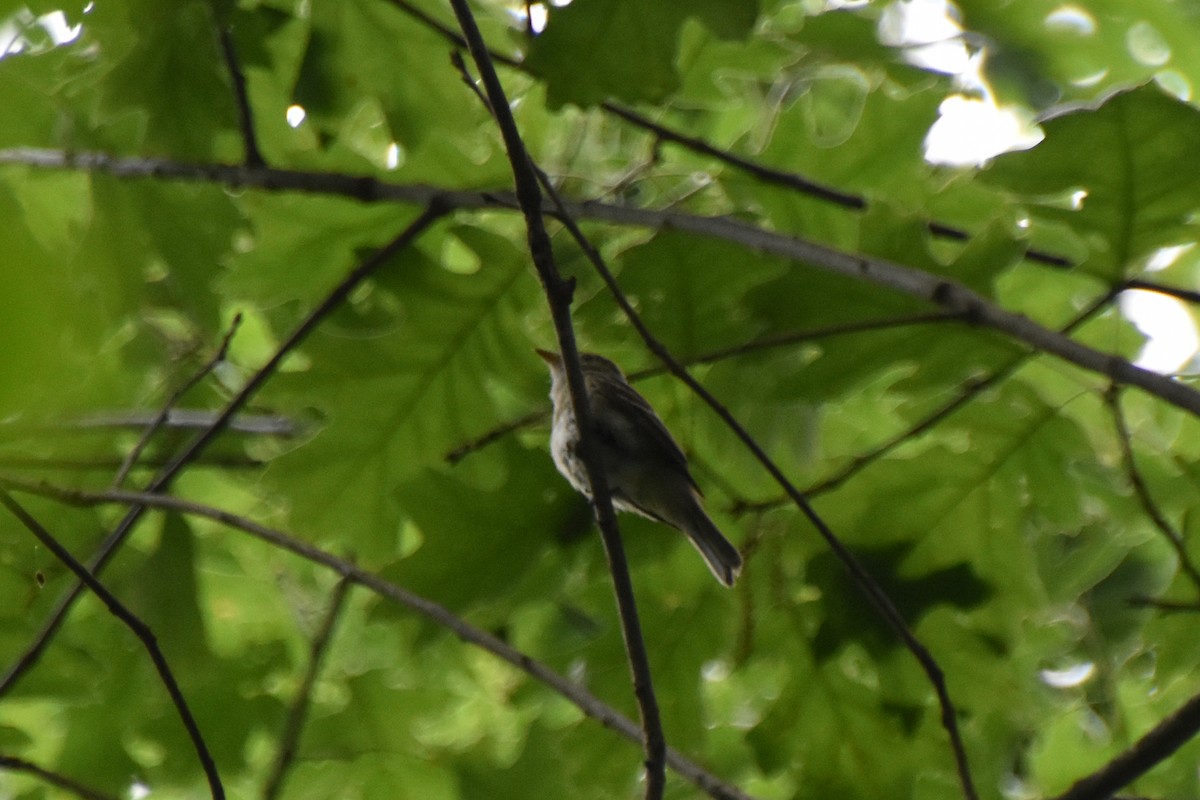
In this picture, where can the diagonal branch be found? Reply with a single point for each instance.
(969, 392)
(947, 294)
(559, 294)
(1172, 535)
(298, 713)
(135, 624)
(161, 418)
(755, 345)
(253, 155)
(205, 437)
(53, 778)
(1155, 747)
(759, 171)
(858, 573)
(588, 703)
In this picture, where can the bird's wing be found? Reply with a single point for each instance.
(624, 405)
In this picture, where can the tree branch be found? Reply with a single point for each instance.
(135, 624)
(298, 713)
(858, 573)
(1172, 535)
(205, 437)
(588, 703)
(1155, 747)
(160, 419)
(949, 295)
(559, 294)
(761, 172)
(755, 345)
(53, 778)
(253, 156)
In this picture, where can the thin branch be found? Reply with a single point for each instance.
(1172, 535)
(198, 444)
(135, 624)
(253, 156)
(788, 338)
(761, 172)
(298, 713)
(939, 291)
(969, 392)
(559, 294)
(160, 419)
(755, 345)
(180, 418)
(1187, 295)
(1170, 606)
(110, 463)
(777, 177)
(861, 577)
(588, 703)
(53, 778)
(1152, 749)
(496, 434)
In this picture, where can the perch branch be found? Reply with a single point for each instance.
(859, 574)
(559, 295)
(135, 624)
(298, 713)
(198, 444)
(588, 703)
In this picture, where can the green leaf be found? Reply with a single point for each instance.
(631, 47)
(1124, 194)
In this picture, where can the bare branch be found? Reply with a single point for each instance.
(1172, 535)
(1186, 295)
(205, 437)
(253, 156)
(298, 713)
(588, 703)
(761, 172)
(861, 577)
(53, 778)
(765, 343)
(558, 295)
(135, 624)
(1152, 749)
(162, 416)
(947, 294)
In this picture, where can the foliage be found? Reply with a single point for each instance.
(1008, 533)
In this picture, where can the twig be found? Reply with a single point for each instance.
(765, 343)
(861, 577)
(762, 172)
(53, 778)
(164, 477)
(588, 703)
(1155, 747)
(253, 156)
(109, 463)
(495, 434)
(559, 294)
(299, 710)
(969, 392)
(135, 624)
(1172, 535)
(1172, 606)
(257, 424)
(162, 416)
(949, 295)
(1187, 295)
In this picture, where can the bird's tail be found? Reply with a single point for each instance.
(721, 556)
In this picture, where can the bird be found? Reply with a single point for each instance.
(646, 471)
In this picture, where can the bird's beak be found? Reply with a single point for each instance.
(550, 357)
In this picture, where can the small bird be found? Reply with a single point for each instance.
(647, 473)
